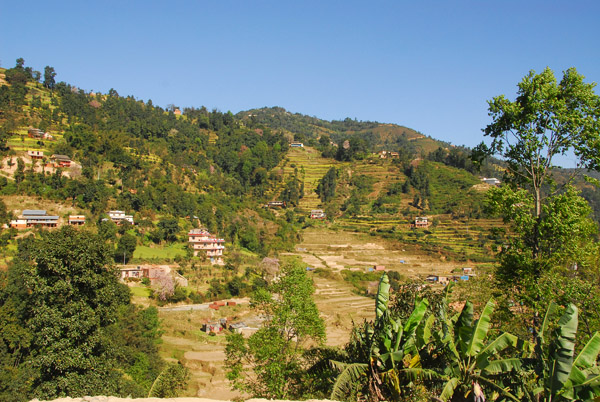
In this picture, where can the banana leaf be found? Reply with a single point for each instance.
(412, 323)
(423, 335)
(499, 344)
(480, 331)
(463, 328)
(347, 379)
(449, 389)
(503, 365)
(563, 350)
(383, 296)
(589, 354)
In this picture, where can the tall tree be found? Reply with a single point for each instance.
(49, 75)
(64, 298)
(547, 119)
(327, 184)
(67, 326)
(274, 354)
(552, 230)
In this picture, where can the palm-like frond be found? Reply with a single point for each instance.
(563, 350)
(350, 375)
(463, 328)
(502, 342)
(383, 296)
(449, 388)
(480, 330)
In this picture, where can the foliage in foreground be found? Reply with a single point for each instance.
(457, 358)
(67, 327)
(273, 362)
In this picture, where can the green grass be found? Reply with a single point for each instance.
(140, 291)
(159, 253)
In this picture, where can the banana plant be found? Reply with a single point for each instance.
(562, 376)
(474, 362)
(392, 347)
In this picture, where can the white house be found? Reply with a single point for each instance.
(202, 241)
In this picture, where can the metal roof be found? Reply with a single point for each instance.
(28, 212)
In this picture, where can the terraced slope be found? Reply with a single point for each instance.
(312, 167)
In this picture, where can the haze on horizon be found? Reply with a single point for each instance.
(430, 66)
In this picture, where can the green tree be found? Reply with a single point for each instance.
(63, 298)
(49, 75)
(475, 363)
(547, 119)
(275, 353)
(560, 375)
(326, 187)
(20, 172)
(107, 230)
(125, 248)
(169, 227)
(552, 232)
(384, 357)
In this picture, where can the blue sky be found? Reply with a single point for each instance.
(428, 65)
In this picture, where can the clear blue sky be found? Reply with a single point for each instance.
(428, 65)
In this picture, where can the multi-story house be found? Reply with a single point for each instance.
(203, 242)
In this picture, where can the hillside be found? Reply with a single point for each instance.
(393, 199)
(379, 136)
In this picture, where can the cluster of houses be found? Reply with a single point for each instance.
(31, 218)
(39, 134)
(56, 160)
(201, 241)
(466, 273)
(242, 327)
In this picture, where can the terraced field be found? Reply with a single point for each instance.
(460, 239)
(312, 167)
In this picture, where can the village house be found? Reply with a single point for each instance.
(202, 241)
(215, 326)
(317, 214)
(35, 133)
(134, 272)
(152, 272)
(76, 220)
(177, 112)
(276, 204)
(34, 218)
(60, 160)
(296, 145)
(491, 181)
(119, 217)
(442, 280)
(39, 134)
(420, 222)
(35, 154)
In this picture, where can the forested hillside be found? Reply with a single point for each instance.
(253, 185)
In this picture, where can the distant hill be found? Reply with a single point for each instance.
(379, 136)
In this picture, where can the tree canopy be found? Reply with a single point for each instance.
(63, 315)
